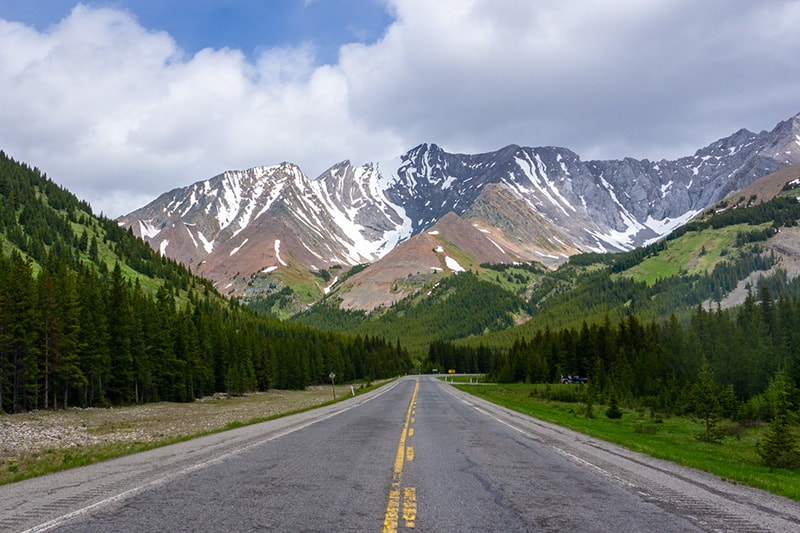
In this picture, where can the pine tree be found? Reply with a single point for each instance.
(21, 329)
(121, 386)
(779, 447)
(705, 399)
(613, 410)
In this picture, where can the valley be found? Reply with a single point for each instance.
(94, 316)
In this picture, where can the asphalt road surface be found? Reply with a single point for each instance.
(415, 455)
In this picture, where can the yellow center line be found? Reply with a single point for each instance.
(392, 517)
(409, 453)
(410, 507)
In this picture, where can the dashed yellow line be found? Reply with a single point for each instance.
(409, 507)
(391, 519)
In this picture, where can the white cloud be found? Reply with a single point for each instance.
(119, 114)
(648, 78)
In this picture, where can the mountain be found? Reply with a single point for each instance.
(259, 231)
(732, 250)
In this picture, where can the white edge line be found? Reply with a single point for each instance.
(565, 453)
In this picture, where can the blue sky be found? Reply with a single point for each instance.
(248, 25)
(120, 101)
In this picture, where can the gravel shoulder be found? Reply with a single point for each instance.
(27, 435)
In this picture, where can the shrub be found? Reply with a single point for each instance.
(645, 428)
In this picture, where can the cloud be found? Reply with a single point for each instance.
(118, 113)
(607, 79)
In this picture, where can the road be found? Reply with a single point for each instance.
(415, 455)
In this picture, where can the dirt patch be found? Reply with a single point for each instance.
(39, 431)
(786, 247)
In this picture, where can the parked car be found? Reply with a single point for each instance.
(574, 379)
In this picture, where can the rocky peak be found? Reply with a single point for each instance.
(534, 203)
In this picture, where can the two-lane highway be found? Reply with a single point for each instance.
(414, 455)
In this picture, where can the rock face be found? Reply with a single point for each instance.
(529, 204)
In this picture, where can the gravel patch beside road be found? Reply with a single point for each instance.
(39, 431)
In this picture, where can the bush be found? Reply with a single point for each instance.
(757, 408)
(564, 393)
(779, 447)
(645, 428)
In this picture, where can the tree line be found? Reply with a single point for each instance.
(656, 364)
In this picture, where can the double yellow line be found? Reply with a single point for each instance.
(409, 496)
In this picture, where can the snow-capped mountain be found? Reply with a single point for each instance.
(540, 204)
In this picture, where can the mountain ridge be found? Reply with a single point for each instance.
(532, 204)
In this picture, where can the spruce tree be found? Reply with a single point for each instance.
(779, 447)
(705, 399)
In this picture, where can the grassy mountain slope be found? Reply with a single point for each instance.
(700, 263)
(454, 307)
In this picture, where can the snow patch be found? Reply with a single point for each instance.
(497, 245)
(439, 250)
(238, 247)
(269, 269)
(327, 289)
(667, 225)
(162, 248)
(536, 172)
(194, 241)
(147, 230)
(278, 252)
(207, 245)
(453, 265)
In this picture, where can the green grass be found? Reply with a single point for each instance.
(55, 460)
(515, 280)
(733, 458)
(697, 252)
(464, 378)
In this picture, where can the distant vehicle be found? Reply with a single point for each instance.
(571, 380)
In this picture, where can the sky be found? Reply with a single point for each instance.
(120, 101)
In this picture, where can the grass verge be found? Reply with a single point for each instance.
(733, 458)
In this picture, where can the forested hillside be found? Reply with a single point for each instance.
(454, 307)
(90, 316)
